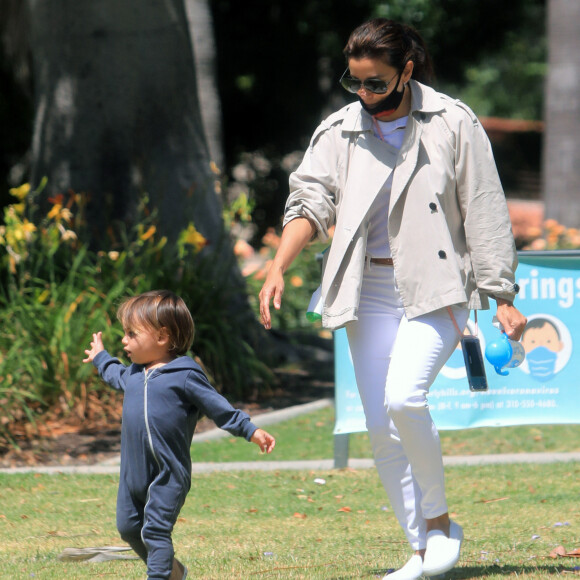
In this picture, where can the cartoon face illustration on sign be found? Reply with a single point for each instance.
(547, 349)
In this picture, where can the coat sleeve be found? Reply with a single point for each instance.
(111, 370)
(201, 394)
(315, 183)
(486, 219)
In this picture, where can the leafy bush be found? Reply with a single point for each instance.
(56, 292)
(554, 236)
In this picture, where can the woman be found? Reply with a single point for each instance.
(422, 236)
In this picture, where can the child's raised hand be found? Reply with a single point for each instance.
(263, 440)
(96, 347)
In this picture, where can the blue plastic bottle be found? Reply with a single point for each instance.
(504, 354)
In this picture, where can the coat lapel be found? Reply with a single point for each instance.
(370, 166)
(424, 101)
(407, 160)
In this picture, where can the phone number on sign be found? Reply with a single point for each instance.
(509, 404)
(530, 404)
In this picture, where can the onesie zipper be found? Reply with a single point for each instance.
(145, 410)
(150, 440)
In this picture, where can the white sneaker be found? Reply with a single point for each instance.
(412, 570)
(442, 552)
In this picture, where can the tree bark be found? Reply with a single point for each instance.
(204, 53)
(117, 111)
(561, 152)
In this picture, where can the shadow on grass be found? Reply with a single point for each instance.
(466, 572)
(463, 573)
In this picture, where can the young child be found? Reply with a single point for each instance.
(165, 392)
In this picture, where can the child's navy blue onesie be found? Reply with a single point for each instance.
(161, 408)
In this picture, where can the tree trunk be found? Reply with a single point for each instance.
(117, 111)
(204, 53)
(561, 152)
(117, 115)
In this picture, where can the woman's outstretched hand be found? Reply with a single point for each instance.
(296, 234)
(272, 290)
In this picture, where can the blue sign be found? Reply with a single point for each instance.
(545, 389)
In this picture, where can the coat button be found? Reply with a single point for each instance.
(433, 206)
(442, 254)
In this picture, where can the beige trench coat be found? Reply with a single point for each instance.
(449, 228)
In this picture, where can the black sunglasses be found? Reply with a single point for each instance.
(354, 85)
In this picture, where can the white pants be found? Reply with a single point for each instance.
(395, 362)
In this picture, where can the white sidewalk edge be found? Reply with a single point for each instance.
(310, 465)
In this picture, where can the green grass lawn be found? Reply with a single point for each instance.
(310, 437)
(298, 524)
(333, 525)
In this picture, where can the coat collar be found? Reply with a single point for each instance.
(424, 99)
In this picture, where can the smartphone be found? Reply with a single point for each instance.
(474, 363)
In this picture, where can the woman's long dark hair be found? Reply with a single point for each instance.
(393, 43)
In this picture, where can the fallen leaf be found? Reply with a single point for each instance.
(492, 500)
(344, 509)
(559, 551)
(299, 515)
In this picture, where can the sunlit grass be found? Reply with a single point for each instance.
(310, 437)
(298, 524)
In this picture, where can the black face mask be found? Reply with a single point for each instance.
(388, 105)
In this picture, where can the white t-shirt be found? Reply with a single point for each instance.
(392, 132)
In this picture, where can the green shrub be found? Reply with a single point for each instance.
(552, 236)
(56, 292)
